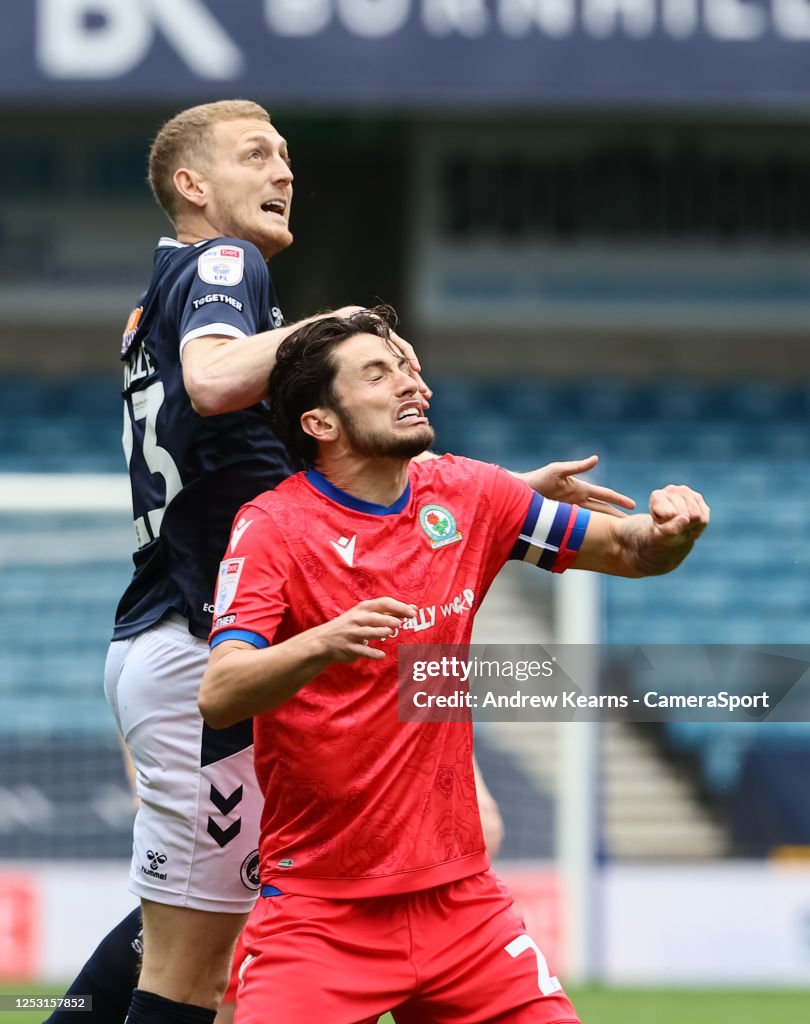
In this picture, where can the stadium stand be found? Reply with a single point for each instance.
(746, 447)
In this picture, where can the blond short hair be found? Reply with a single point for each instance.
(185, 138)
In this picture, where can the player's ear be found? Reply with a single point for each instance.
(190, 185)
(321, 424)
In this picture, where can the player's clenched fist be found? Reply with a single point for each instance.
(350, 635)
(645, 545)
(678, 513)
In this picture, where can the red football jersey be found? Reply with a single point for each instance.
(358, 803)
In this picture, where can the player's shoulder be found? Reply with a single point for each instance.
(226, 261)
(478, 484)
(275, 517)
(451, 468)
(290, 493)
(223, 261)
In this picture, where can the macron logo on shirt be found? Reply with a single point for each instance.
(345, 548)
(238, 530)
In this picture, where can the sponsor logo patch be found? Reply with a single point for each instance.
(224, 264)
(229, 572)
(224, 620)
(439, 525)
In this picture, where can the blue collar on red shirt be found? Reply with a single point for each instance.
(321, 484)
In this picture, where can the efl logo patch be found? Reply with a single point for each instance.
(224, 264)
(439, 525)
(229, 572)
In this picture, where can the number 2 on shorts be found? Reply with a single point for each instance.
(546, 982)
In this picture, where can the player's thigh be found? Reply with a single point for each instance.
(196, 830)
(225, 1013)
(151, 682)
(478, 961)
(195, 934)
(308, 959)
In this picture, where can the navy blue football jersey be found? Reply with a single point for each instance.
(190, 474)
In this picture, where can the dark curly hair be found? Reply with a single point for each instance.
(304, 373)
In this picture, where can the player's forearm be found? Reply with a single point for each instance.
(243, 682)
(225, 374)
(491, 821)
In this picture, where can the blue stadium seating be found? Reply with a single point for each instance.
(747, 447)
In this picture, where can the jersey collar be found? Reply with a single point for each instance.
(164, 242)
(320, 483)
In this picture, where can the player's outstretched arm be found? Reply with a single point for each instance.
(562, 482)
(222, 374)
(645, 545)
(242, 680)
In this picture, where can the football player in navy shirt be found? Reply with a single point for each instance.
(197, 351)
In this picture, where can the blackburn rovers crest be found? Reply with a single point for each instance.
(439, 525)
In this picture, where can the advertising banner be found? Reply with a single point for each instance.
(409, 51)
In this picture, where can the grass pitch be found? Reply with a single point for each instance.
(599, 1006)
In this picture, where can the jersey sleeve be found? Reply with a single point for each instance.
(228, 292)
(251, 594)
(541, 531)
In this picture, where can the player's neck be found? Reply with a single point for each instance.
(194, 227)
(380, 481)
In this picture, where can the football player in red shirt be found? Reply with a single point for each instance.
(376, 885)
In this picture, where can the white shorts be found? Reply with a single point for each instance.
(197, 828)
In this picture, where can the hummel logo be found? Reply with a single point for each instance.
(345, 548)
(156, 861)
(238, 530)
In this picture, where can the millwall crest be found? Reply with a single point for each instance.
(439, 525)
